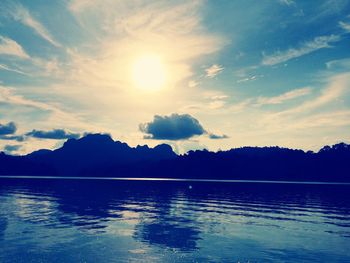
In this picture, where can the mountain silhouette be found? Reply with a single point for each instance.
(99, 155)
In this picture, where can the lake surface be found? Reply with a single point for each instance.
(55, 220)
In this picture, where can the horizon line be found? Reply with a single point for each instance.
(169, 179)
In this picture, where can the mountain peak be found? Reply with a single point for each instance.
(92, 138)
(89, 142)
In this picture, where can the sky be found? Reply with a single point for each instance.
(193, 74)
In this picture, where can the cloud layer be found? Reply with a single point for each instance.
(11, 148)
(8, 133)
(22, 15)
(214, 70)
(173, 127)
(57, 134)
(11, 48)
(217, 137)
(306, 48)
(284, 97)
(9, 128)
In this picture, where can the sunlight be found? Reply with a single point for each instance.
(149, 73)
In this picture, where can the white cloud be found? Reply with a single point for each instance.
(329, 119)
(283, 97)
(249, 78)
(219, 97)
(239, 107)
(253, 103)
(339, 64)
(57, 117)
(304, 49)
(310, 110)
(5, 67)
(245, 72)
(210, 100)
(8, 95)
(287, 2)
(12, 48)
(93, 85)
(172, 31)
(77, 6)
(322, 114)
(22, 14)
(216, 104)
(193, 84)
(213, 70)
(344, 26)
(214, 100)
(304, 125)
(337, 87)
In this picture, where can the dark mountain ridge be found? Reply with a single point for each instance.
(99, 155)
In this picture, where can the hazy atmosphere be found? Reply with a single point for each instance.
(232, 73)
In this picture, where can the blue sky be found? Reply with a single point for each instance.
(274, 72)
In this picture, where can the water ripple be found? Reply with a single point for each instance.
(170, 222)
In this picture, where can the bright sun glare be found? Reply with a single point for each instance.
(148, 73)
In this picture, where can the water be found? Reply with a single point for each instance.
(46, 220)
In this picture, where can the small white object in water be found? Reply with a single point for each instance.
(190, 187)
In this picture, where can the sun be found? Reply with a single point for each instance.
(149, 73)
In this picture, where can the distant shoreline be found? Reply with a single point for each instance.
(169, 179)
(98, 155)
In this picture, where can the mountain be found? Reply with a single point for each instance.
(90, 154)
(99, 155)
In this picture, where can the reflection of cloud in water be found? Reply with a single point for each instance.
(3, 226)
(130, 217)
(34, 208)
(167, 228)
(168, 234)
